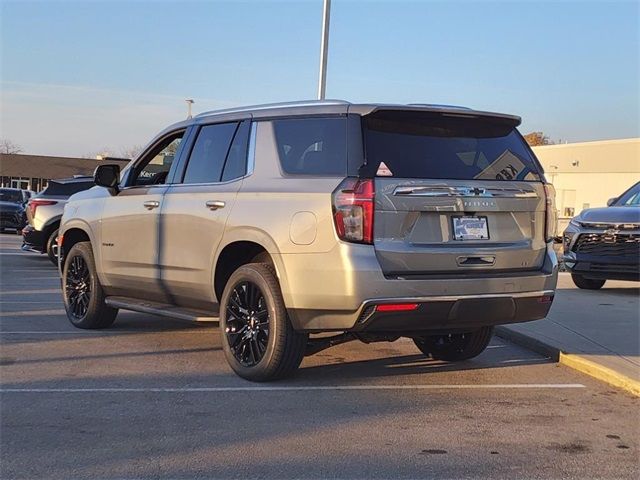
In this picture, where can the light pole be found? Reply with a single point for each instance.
(324, 49)
(189, 103)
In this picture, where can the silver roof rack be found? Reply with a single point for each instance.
(266, 106)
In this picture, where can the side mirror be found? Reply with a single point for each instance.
(107, 176)
(611, 201)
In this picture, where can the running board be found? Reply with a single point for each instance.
(162, 309)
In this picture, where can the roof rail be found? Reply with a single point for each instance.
(265, 106)
(437, 105)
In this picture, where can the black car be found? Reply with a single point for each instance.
(12, 209)
(603, 244)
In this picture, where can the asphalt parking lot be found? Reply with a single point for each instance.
(154, 398)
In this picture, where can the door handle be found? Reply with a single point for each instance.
(214, 204)
(151, 204)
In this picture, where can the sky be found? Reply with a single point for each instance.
(77, 77)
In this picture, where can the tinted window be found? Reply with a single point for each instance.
(14, 196)
(446, 147)
(236, 164)
(312, 146)
(209, 152)
(630, 197)
(66, 188)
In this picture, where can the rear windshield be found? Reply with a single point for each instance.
(445, 147)
(66, 189)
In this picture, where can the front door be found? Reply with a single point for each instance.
(130, 222)
(195, 211)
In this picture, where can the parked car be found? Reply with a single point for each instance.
(603, 244)
(370, 221)
(12, 209)
(44, 212)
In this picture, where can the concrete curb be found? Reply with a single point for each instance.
(571, 360)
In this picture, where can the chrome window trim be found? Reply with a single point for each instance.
(251, 151)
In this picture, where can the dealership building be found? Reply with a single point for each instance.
(32, 172)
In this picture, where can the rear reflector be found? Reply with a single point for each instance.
(396, 307)
(545, 299)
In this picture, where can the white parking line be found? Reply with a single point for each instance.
(119, 332)
(32, 313)
(26, 292)
(506, 386)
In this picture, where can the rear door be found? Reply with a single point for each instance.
(454, 194)
(195, 211)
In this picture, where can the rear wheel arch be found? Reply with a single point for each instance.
(232, 257)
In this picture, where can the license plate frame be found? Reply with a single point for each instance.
(463, 230)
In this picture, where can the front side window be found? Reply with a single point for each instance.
(155, 168)
(209, 153)
(312, 146)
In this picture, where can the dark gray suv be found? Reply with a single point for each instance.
(603, 244)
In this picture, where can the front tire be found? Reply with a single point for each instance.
(81, 290)
(587, 283)
(258, 339)
(455, 347)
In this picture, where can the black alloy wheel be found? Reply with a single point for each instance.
(247, 323)
(78, 287)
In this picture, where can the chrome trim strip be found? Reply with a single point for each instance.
(444, 191)
(605, 225)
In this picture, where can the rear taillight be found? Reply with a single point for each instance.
(551, 215)
(35, 203)
(353, 210)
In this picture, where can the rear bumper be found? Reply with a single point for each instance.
(334, 291)
(33, 240)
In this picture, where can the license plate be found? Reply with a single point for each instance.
(470, 228)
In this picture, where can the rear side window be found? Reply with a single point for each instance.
(446, 147)
(209, 152)
(312, 146)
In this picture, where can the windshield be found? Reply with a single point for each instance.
(440, 147)
(630, 198)
(7, 195)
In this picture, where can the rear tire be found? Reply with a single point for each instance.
(587, 283)
(258, 339)
(455, 347)
(81, 290)
(52, 247)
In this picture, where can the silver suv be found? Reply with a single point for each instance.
(370, 221)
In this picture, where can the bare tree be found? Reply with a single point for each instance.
(7, 146)
(131, 152)
(536, 139)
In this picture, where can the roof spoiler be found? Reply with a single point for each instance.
(446, 110)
